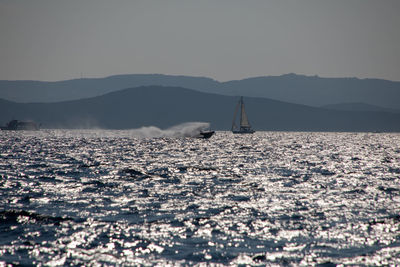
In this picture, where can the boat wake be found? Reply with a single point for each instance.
(188, 129)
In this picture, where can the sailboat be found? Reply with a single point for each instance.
(245, 127)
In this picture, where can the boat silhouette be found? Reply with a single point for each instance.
(205, 134)
(16, 125)
(244, 124)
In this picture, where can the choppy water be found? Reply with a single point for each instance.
(107, 197)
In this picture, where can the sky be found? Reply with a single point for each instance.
(53, 40)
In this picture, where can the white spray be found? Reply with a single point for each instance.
(188, 129)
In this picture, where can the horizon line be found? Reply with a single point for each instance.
(199, 76)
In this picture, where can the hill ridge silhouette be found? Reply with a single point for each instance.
(164, 107)
(300, 89)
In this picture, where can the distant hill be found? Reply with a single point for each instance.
(359, 107)
(168, 106)
(317, 91)
(38, 91)
(307, 90)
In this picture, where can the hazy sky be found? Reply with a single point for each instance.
(220, 39)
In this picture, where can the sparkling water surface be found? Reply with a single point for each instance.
(96, 197)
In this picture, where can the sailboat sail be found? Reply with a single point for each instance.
(245, 126)
(244, 121)
(234, 126)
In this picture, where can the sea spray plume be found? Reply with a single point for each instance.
(188, 129)
(147, 132)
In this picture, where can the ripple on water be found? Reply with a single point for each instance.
(107, 197)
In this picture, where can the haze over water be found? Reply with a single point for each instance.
(287, 198)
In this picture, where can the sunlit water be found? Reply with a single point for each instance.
(271, 198)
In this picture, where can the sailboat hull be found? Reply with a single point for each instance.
(244, 132)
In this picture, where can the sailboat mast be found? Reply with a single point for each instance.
(241, 111)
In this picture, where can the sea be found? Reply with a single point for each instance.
(154, 197)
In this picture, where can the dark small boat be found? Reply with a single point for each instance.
(206, 134)
(16, 125)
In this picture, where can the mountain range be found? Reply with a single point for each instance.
(165, 106)
(299, 89)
